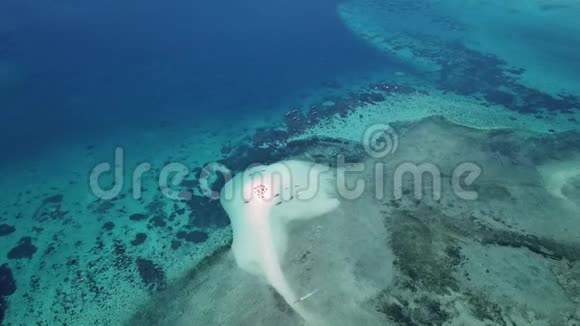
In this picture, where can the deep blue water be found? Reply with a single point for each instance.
(89, 66)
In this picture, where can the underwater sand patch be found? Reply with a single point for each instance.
(572, 189)
(412, 261)
(562, 180)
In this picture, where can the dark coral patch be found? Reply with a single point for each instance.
(502, 98)
(175, 244)
(6, 229)
(152, 275)
(7, 288)
(56, 199)
(194, 183)
(72, 261)
(102, 206)
(207, 213)
(139, 239)
(158, 221)
(268, 136)
(3, 308)
(24, 249)
(7, 283)
(472, 73)
(109, 226)
(122, 259)
(193, 236)
(137, 217)
(50, 210)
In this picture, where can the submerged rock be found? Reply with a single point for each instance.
(193, 236)
(7, 283)
(7, 288)
(139, 239)
(6, 229)
(24, 249)
(151, 274)
(109, 226)
(137, 217)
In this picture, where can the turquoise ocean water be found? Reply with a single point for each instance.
(144, 91)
